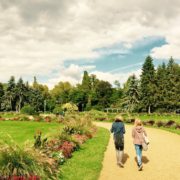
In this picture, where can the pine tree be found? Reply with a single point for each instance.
(86, 87)
(161, 87)
(1, 93)
(148, 87)
(130, 98)
(21, 91)
(132, 94)
(173, 86)
(10, 95)
(86, 83)
(35, 83)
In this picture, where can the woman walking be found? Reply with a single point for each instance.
(118, 130)
(138, 134)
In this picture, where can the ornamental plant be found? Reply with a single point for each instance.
(27, 109)
(59, 157)
(67, 148)
(24, 162)
(69, 107)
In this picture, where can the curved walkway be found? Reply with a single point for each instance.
(160, 162)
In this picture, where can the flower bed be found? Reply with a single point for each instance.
(43, 160)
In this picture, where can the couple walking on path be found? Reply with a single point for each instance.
(139, 136)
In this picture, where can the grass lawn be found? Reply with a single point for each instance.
(23, 131)
(87, 162)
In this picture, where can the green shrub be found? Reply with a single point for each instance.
(70, 107)
(39, 142)
(28, 110)
(98, 115)
(16, 161)
(58, 110)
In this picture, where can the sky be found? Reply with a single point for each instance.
(58, 40)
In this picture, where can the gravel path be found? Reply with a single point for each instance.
(160, 162)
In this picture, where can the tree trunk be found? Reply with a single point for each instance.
(149, 109)
(20, 100)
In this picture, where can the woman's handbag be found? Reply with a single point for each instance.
(145, 143)
(146, 139)
(144, 146)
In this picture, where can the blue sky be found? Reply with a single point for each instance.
(123, 58)
(119, 59)
(57, 40)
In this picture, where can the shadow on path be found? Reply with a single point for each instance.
(125, 158)
(145, 160)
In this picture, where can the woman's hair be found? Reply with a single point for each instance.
(118, 119)
(138, 122)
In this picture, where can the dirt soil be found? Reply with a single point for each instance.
(160, 162)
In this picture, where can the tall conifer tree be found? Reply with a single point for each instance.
(148, 85)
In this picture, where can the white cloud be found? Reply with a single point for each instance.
(121, 77)
(38, 36)
(73, 74)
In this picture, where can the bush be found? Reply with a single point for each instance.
(150, 122)
(177, 126)
(70, 107)
(38, 118)
(59, 157)
(16, 161)
(48, 119)
(28, 110)
(58, 110)
(39, 142)
(169, 123)
(159, 123)
(127, 120)
(67, 148)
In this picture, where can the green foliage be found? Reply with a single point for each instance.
(103, 92)
(9, 96)
(86, 83)
(27, 109)
(1, 94)
(58, 110)
(69, 107)
(97, 115)
(131, 96)
(39, 142)
(157, 90)
(61, 92)
(148, 85)
(17, 161)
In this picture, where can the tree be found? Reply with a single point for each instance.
(36, 99)
(131, 99)
(148, 85)
(1, 93)
(103, 92)
(78, 97)
(173, 85)
(20, 94)
(10, 95)
(117, 94)
(86, 83)
(40, 97)
(161, 87)
(61, 92)
(35, 83)
(87, 88)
